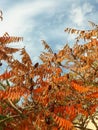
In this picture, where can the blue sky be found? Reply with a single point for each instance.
(37, 20)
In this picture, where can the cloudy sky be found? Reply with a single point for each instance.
(36, 20)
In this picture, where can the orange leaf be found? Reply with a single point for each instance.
(6, 75)
(93, 95)
(63, 123)
(79, 88)
(54, 128)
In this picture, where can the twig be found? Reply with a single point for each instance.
(1, 121)
(3, 86)
(93, 121)
(20, 112)
(83, 128)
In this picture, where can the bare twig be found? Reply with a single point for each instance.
(11, 103)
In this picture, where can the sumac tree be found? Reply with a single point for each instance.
(61, 93)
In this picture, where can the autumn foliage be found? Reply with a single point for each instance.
(60, 93)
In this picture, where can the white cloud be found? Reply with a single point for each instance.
(78, 13)
(77, 16)
(19, 18)
(87, 8)
(97, 1)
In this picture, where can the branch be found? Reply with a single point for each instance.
(11, 103)
(3, 86)
(1, 121)
(93, 121)
(83, 128)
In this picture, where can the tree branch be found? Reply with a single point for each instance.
(1, 121)
(13, 106)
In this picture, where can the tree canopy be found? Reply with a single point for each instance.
(61, 93)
